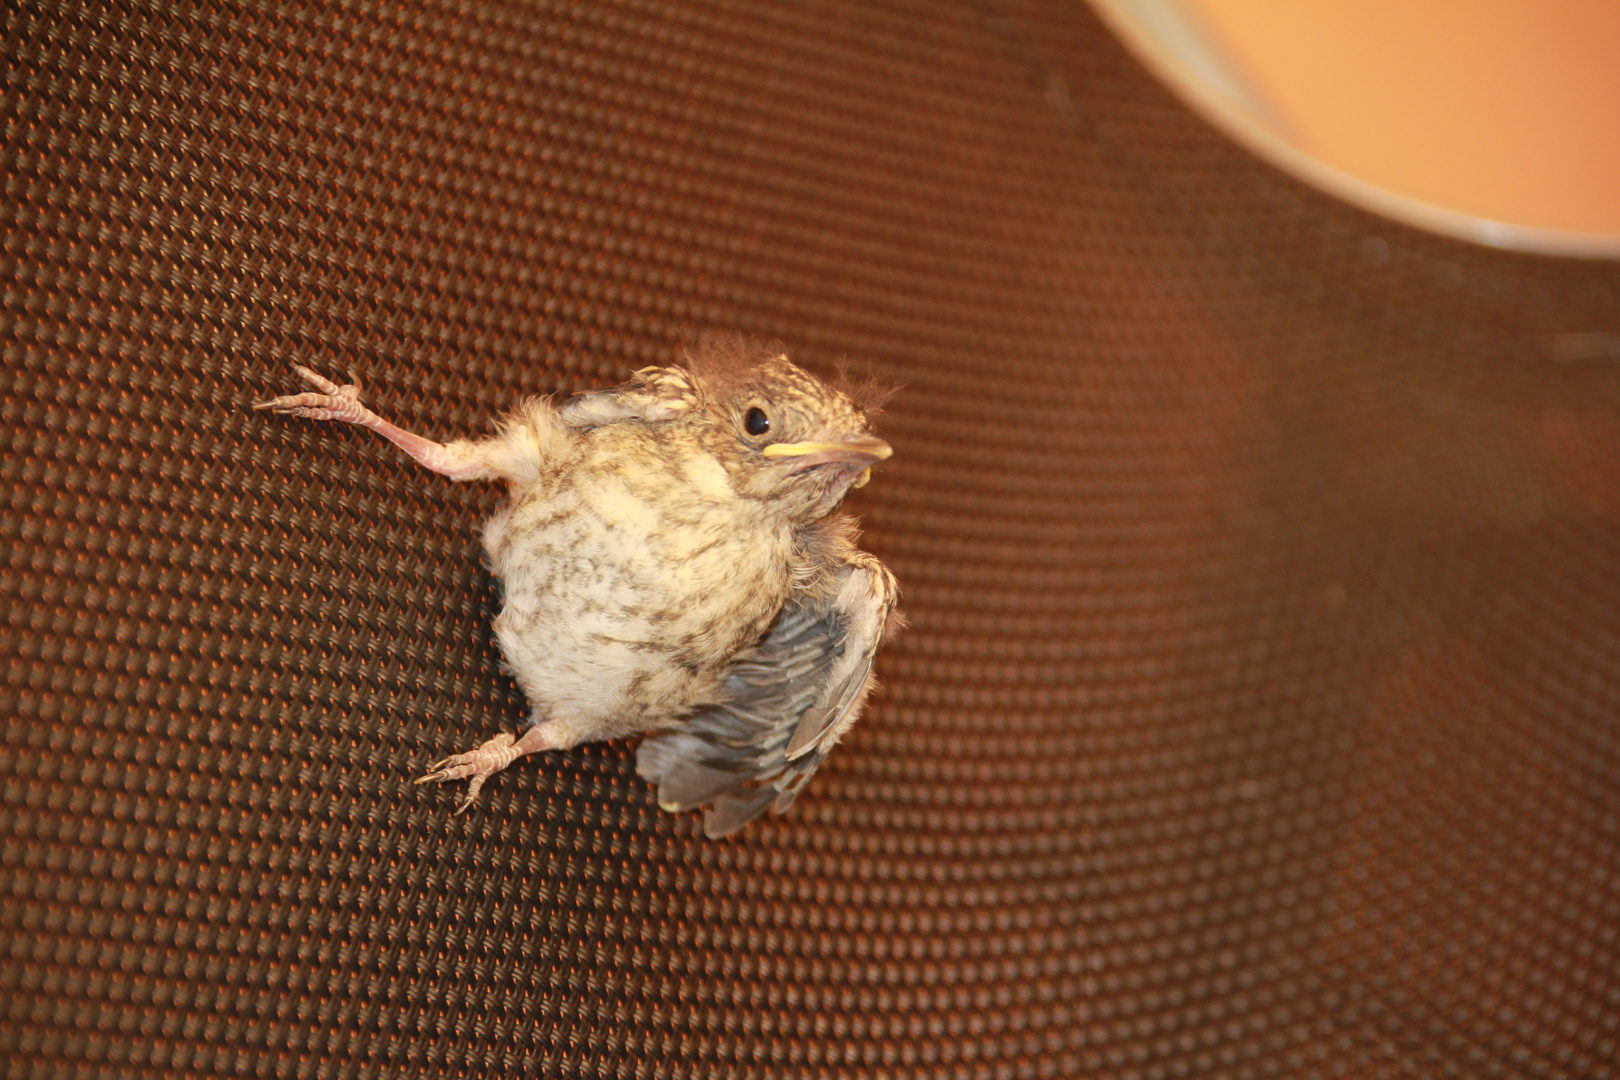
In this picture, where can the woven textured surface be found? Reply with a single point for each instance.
(1261, 711)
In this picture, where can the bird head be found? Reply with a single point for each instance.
(783, 436)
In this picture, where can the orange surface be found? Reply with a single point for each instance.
(1506, 109)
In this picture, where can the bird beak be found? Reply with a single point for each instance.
(866, 450)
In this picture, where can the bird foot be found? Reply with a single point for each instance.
(333, 402)
(484, 761)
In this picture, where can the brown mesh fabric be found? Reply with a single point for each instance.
(1259, 714)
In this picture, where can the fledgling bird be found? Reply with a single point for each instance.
(674, 565)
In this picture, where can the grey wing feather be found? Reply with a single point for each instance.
(815, 723)
(787, 701)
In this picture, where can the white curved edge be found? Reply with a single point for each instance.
(1222, 102)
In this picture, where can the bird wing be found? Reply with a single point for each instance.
(653, 395)
(787, 702)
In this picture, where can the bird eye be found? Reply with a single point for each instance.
(756, 422)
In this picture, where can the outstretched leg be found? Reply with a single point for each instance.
(458, 460)
(483, 762)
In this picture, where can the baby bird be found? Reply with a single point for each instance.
(674, 565)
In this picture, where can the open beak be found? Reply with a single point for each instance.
(864, 451)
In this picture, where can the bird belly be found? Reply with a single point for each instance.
(620, 614)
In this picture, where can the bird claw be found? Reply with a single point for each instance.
(475, 765)
(333, 402)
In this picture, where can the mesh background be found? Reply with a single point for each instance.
(1258, 717)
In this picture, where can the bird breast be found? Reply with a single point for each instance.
(631, 579)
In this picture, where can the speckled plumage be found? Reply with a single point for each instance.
(668, 569)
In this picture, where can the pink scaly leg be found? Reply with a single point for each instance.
(483, 762)
(460, 461)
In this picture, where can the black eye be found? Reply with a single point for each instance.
(756, 422)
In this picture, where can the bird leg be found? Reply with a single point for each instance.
(458, 461)
(484, 761)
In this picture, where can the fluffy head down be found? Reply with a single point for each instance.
(784, 436)
(721, 361)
